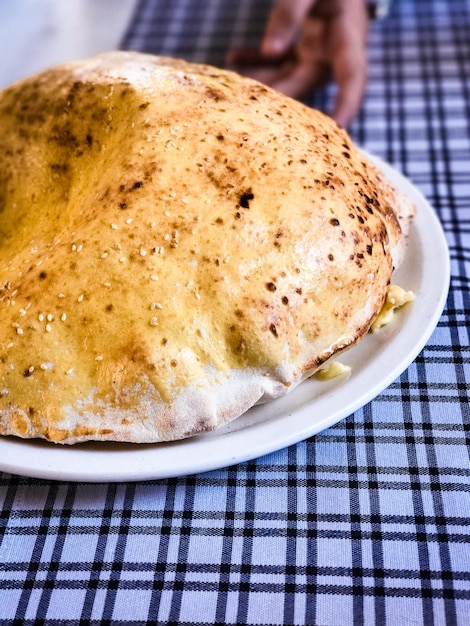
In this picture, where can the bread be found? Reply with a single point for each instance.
(177, 244)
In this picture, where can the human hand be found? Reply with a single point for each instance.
(307, 42)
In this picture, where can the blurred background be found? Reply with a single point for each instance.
(35, 34)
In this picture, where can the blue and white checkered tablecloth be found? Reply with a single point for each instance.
(367, 523)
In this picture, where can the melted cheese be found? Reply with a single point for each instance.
(332, 370)
(396, 298)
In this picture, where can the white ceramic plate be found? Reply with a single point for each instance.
(376, 362)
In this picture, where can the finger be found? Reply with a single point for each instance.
(275, 75)
(348, 52)
(301, 79)
(270, 75)
(351, 81)
(244, 56)
(283, 25)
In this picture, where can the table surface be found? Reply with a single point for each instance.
(366, 522)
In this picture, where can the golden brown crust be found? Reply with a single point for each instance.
(176, 243)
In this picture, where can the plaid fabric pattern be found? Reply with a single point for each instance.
(365, 524)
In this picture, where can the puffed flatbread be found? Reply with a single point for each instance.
(177, 244)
